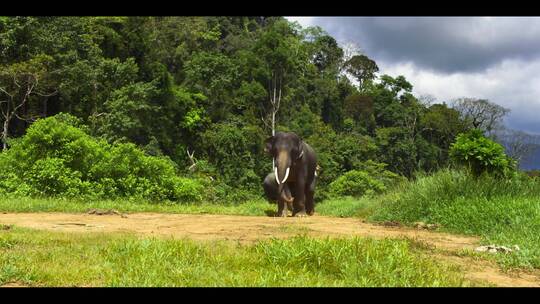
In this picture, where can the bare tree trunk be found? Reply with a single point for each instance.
(275, 89)
(5, 134)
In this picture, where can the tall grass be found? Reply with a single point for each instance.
(61, 259)
(502, 211)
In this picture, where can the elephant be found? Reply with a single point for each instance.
(294, 174)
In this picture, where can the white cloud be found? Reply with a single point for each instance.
(514, 84)
(303, 21)
(496, 58)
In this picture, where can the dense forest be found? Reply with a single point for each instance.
(201, 93)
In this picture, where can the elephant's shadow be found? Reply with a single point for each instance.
(270, 213)
(274, 213)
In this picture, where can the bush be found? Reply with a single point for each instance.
(370, 178)
(356, 183)
(187, 189)
(338, 153)
(379, 172)
(50, 176)
(480, 154)
(57, 158)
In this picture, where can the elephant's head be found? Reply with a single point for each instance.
(285, 148)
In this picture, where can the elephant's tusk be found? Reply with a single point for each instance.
(286, 175)
(275, 173)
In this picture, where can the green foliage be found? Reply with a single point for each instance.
(171, 84)
(502, 211)
(128, 109)
(397, 149)
(379, 172)
(356, 183)
(236, 151)
(55, 158)
(480, 154)
(50, 176)
(362, 68)
(347, 206)
(370, 178)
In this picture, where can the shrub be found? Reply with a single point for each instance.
(187, 189)
(356, 183)
(379, 172)
(50, 176)
(57, 158)
(480, 154)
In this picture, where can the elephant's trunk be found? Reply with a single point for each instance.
(286, 195)
(282, 169)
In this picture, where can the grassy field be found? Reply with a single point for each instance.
(27, 204)
(334, 207)
(39, 258)
(502, 212)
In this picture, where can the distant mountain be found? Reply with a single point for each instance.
(517, 142)
(532, 162)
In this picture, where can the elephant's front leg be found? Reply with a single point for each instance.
(282, 208)
(299, 206)
(284, 201)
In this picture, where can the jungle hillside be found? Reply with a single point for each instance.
(160, 119)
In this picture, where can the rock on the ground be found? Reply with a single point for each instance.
(495, 249)
(422, 225)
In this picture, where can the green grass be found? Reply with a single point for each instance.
(502, 212)
(39, 258)
(339, 207)
(27, 204)
(347, 207)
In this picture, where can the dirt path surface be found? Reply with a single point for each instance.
(247, 229)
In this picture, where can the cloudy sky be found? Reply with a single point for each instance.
(496, 58)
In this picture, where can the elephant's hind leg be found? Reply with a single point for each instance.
(310, 204)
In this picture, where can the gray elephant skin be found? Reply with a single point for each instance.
(292, 184)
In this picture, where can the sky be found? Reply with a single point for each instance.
(494, 58)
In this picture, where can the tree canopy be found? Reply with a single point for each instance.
(201, 88)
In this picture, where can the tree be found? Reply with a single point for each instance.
(284, 58)
(361, 68)
(327, 53)
(440, 125)
(19, 83)
(481, 113)
(127, 112)
(360, 108)
(398, 150)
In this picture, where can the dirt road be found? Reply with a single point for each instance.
(248, 229)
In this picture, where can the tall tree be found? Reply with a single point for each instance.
(19, 83)
(361, 68)
(481, 113)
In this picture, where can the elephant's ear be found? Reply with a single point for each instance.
(268, 144)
